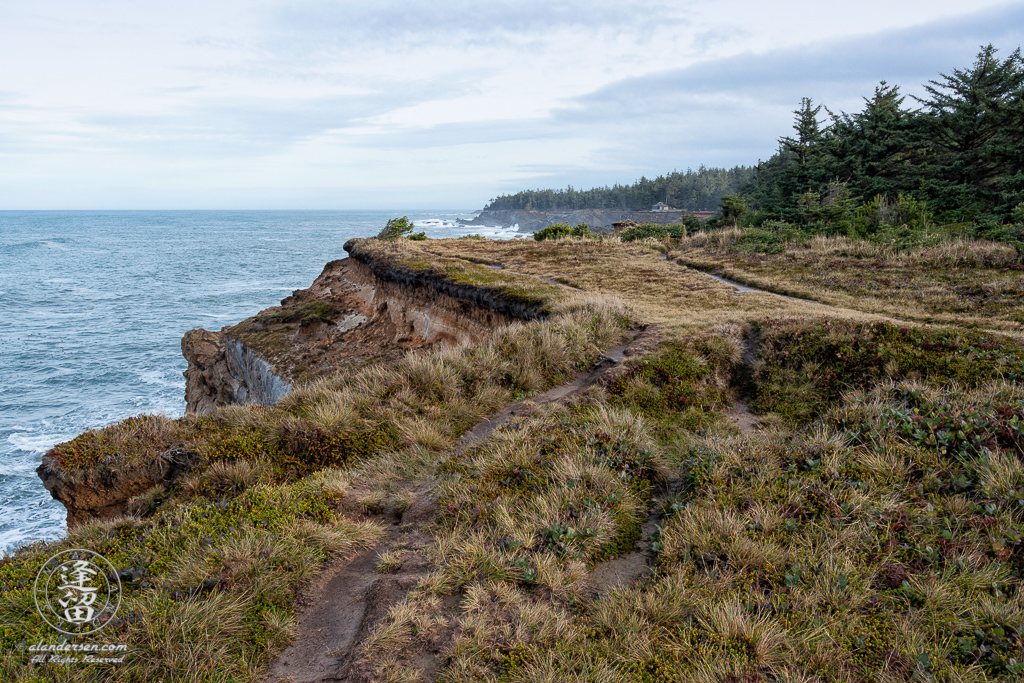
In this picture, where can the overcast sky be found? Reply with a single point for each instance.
(328, 104)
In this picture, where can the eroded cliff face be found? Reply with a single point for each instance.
(101, 492)
(223, 371)
(351, 314)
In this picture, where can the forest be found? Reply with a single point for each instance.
(699, 190)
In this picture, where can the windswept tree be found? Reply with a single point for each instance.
(396, 227)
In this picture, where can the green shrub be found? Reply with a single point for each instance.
(805, 366)
(659, 232)
(882, 212)
(418, 236)
(396, 227)
(560, 230)
(771, 238)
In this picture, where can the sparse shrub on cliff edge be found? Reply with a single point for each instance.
(396, 227)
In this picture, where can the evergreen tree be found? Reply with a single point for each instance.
(874, 151)
(800, 158)
(976, 124)
(808, 133)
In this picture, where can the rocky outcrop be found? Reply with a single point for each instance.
(600, 220)
(101, 492)
(355, 311)
(224, 371)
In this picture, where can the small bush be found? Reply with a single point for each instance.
(396, 227)
(771, 238)
(560, 230)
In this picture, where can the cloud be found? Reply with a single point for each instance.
(837, 68)
(404, 98)
(391, 21)
(732, 110)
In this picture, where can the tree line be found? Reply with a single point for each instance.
(953, 157)
(699, 190)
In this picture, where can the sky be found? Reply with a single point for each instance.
(317, 104)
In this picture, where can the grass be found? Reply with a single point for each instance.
(679, 299)
(870, 530)
(840, 553)
(965, 283)
(402, 256)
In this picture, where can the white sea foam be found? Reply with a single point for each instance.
(107, 347)
(34, 442)
(157, 377)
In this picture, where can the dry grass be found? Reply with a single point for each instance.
(967, 283)
(657, 291)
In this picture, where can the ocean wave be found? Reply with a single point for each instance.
(36, 443)
(158, 377)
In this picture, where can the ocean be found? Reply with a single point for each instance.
(94, 304)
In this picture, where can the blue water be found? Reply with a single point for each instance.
(93, 305)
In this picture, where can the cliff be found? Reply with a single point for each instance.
(373, 306)
(599, 220)
(355, 311)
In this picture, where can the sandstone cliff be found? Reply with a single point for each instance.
(373, 306)
(353, 312)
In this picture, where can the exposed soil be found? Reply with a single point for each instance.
(740, 414)
(740, 288)
(342, 606)
(623, 570)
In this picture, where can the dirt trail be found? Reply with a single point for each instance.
(740, 414)
(623, 570)
(347, 600)
(740, 288)
(578, 384)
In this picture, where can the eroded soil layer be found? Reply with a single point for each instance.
(349, 315)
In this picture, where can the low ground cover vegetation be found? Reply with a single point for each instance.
(870, 529)
(973, 283)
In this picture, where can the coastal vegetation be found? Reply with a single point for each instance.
(903, 172)
(560, 230)
(699, 190)
(870, 527)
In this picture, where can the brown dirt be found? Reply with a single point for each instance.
(741, 416)
(623, 570)
(343, 605)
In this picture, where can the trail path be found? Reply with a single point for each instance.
(741, 288)
(350, 597)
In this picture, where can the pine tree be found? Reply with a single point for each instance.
(976, 124)
(800, 159)
(874, 150)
